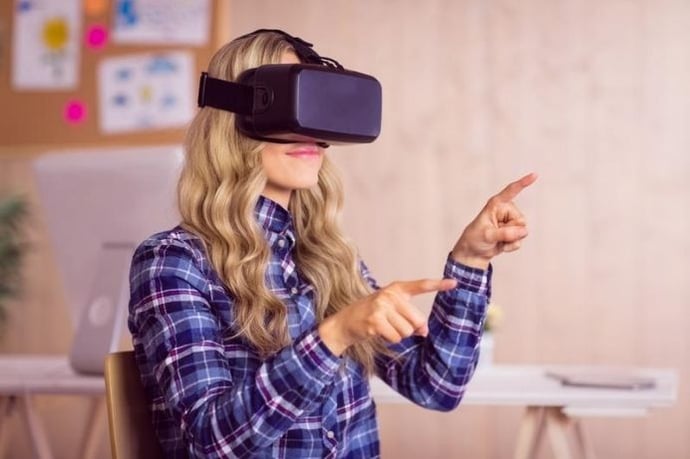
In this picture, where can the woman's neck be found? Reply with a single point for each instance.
(277, 195)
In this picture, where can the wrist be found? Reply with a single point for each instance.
(472, 261)
(332, 335)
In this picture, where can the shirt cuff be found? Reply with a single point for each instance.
(317, 359)
(474, 280)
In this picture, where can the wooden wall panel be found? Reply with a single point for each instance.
(591, 95)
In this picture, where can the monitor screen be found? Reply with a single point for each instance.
(92, 198)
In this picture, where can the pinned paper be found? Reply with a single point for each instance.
(46, 44)
(75, 112)
(162, 21)
(96, 37)
(146, 91)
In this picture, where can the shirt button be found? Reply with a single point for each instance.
(330, 434)
(281, 243)
(294, 290)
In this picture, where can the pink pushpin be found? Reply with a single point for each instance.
(75, 112)
(96, 36)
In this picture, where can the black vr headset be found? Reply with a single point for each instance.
(315, 101)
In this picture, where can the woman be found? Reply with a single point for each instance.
(255, 325)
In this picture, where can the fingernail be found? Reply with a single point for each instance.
(450, 283)
(422, 331)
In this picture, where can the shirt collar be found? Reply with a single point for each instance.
(274, 219)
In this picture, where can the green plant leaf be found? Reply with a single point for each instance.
(13, 211)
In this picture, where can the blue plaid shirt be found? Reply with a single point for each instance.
(212, 396)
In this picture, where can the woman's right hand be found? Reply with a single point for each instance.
(388, 313)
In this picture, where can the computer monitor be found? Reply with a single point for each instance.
(98, 204)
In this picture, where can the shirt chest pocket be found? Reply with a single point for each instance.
(305, 435)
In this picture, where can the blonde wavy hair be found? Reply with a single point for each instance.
(219, 187)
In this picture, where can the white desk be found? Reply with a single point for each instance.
(552, 407)
(24, 376)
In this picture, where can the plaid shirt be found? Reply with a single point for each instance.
(212, 396)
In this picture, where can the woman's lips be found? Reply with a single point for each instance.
(305, 151)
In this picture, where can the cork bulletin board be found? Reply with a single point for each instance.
(30, 117)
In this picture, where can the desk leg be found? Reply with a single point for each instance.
(94, 431)
(583, 443)
(557, 425)
(531, 433)
(6, 407)
(39, 439)
(538, 419)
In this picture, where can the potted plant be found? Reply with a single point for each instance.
(494, 314)
(12, 213)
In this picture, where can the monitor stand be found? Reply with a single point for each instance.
(100, 326)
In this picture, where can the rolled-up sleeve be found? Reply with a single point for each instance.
(433, 371)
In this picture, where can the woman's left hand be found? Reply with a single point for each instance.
(499, 227)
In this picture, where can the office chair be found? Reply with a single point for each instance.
(129, 418)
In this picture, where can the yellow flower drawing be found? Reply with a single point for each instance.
(55, 34)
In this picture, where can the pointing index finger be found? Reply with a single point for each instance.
(418, 287)
(513, 189)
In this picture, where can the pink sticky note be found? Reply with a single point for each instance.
(96, 36)
(75, 112)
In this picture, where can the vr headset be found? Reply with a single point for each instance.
(315, 101)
